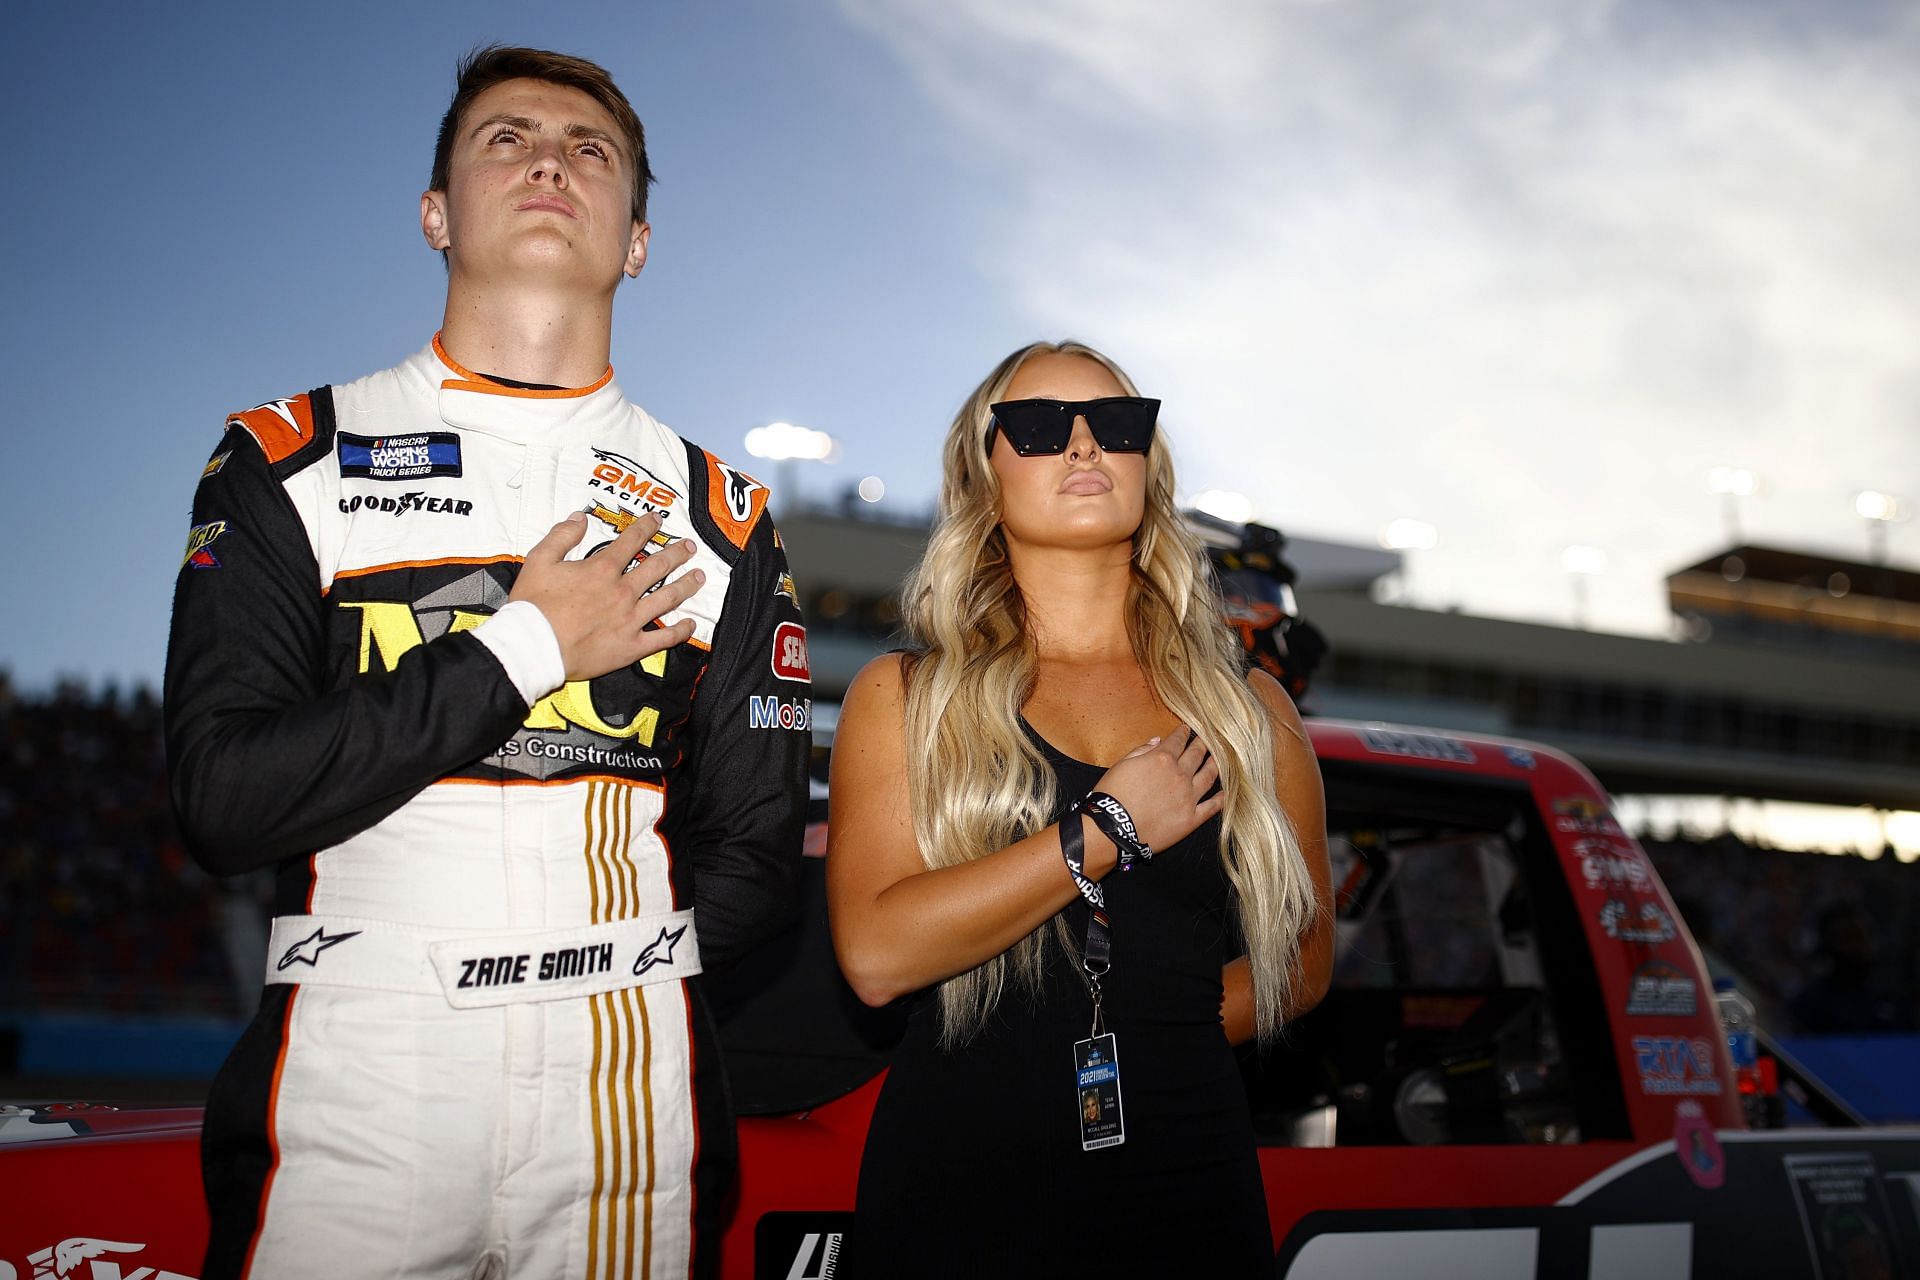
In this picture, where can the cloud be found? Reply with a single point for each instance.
(1523, 270)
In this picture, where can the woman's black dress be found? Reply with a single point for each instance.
(973, 1165)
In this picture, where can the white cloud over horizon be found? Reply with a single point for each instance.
(1522, 270)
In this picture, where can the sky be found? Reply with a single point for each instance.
(1521, 269)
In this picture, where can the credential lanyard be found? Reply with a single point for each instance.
(1096, 1060)
(1096, 953)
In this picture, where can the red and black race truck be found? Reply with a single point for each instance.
(1519, 1072)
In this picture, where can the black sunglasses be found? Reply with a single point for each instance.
(1040, 428)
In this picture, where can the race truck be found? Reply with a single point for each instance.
(1519, 1072)
(1520, 1069)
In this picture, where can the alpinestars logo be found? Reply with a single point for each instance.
(283, 410)
(307, 950)
(740, 490)
(659, 951)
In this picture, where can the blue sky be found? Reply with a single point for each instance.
(1522, 270)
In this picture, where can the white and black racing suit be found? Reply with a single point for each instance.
(478, 1051)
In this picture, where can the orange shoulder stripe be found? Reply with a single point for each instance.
(279, 427)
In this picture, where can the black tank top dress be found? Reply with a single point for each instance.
(973, 1165)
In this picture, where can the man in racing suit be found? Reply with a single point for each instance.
(519, 782)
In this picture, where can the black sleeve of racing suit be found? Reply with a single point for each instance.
(268, 759)
(743, 811)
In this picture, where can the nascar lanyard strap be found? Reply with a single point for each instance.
(1096, 1060)
(1097, 955)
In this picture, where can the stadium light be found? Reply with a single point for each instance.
(1879, 510)
(1732, 484)
(1406, 537)
(1735, 482)
(1581, 563)
(784, 442)
(1583, 560)
(1409, 535)
(1871, 504)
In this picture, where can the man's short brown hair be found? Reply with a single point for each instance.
(492, 64)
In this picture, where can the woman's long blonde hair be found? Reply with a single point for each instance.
(977, 783)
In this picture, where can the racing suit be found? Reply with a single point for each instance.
(478, 1051)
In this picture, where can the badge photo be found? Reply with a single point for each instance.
(1096, 1081)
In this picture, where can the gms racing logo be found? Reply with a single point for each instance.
(609, 723)
(626, 481)
(1612, 866)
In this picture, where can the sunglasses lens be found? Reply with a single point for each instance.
(1123, 426)
(1034, 427)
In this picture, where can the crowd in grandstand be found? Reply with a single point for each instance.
(103, 909)
(1807, 935)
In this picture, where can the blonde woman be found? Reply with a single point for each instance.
(1093, 845)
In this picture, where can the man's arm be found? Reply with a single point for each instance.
(267, 758)
(743, 808)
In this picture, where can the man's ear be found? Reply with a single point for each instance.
(637, 248)
(433, 219)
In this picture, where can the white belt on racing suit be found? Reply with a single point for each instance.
(473, 970)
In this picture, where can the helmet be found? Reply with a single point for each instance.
(1257, 599)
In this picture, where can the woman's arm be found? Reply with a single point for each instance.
(897, 926)
(1236, 1000)
(1297, 782)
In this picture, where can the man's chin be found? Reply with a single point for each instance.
(542, 262)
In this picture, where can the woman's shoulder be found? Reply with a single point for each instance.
(878, 688)
(888, 671)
